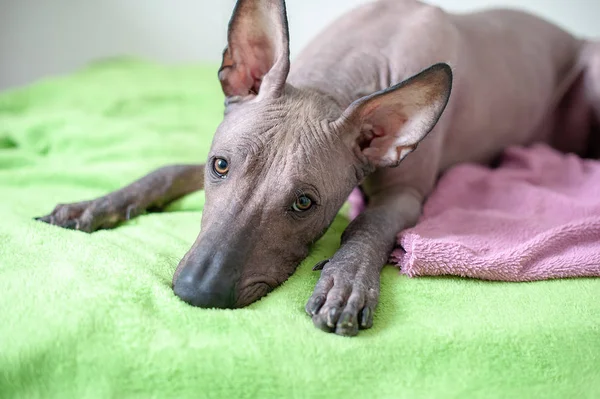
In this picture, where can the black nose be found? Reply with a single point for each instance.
(204, 291)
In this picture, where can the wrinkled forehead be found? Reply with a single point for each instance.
(292, 129)
(283, 155)
(288, 138)
(282, 118)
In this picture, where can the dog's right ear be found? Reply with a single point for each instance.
(256, 60)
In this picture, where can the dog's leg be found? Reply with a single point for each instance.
(152, 191)
(593, 76)
(347, 293)
(592, 93)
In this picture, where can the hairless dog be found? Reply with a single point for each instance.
(297, 138)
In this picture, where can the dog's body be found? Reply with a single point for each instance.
(495, 55)
(319, 130)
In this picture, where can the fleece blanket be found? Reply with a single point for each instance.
(535, 217)
(93, 316)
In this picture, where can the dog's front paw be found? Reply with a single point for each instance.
(345, 298)
(89, 216)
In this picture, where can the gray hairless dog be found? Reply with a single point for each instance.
(297, 138)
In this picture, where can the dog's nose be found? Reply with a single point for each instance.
(197, 293)
(209, 287)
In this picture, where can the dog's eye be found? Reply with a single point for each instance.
(303, 203)
(221, 167)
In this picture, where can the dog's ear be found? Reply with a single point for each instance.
(256, 60)
(393, 121)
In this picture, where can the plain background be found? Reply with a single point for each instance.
(48, 37)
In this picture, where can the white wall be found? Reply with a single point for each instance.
(47, 37)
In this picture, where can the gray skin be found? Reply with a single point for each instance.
(296, 139)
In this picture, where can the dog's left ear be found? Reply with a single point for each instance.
(393, 121)
(256, 60)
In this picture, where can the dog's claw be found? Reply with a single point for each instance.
(346, 320)
(70, 225)
(347, 325)
(366, 318)
(332, 317)
(45, 219)
(320, 265)
(314, 304)
(131, 212)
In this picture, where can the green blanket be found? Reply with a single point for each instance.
(94, 315)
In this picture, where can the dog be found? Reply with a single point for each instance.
(387, 98)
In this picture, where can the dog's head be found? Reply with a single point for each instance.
(284, 160)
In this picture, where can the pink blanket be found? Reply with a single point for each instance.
(535, 217)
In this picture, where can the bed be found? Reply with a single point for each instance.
(94, 315)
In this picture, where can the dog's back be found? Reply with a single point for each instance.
(496, 55)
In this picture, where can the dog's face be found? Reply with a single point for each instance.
(274, 181)
(284, 160)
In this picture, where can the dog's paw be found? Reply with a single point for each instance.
(89, 216)
(344, 299)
